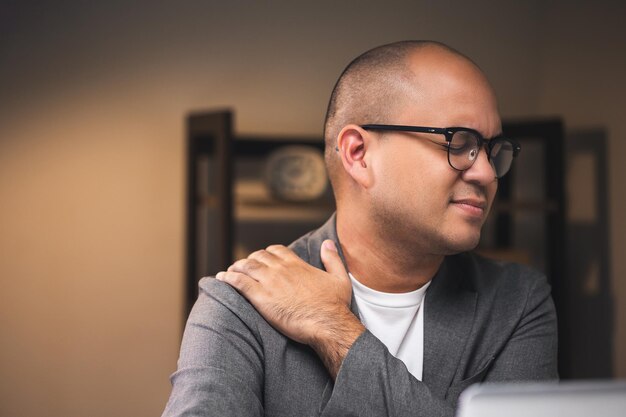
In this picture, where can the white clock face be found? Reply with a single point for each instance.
(296, 173)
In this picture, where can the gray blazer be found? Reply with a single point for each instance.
(484, 321)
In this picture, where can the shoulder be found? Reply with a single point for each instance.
(511, 290)
(219, 304)
(484, 273)
(499, 283)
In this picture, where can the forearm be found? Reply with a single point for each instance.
(335, 338)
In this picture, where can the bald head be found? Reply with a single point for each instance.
(377, 85)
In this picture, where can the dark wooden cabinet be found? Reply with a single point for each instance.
(230, 212)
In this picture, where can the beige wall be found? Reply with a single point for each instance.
(92, 163)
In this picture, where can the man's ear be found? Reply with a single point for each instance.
(353, 144)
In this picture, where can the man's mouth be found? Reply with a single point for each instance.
(473, 207)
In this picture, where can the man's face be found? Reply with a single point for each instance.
(417, 196)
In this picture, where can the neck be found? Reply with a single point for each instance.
(379, 261)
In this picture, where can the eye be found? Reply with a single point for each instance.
(464, 143)
(457, 146)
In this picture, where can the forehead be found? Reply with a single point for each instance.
(449, 90)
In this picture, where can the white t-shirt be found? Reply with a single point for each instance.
(397, 320)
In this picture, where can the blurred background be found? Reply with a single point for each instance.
(93, 105)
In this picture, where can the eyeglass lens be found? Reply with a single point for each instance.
(463, 151)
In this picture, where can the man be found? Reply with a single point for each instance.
(403, 318)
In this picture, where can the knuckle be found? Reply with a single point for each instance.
(282, 252)
(259, 254)
(236, 265)
(252, 265)
(245, 265)
(280, 249)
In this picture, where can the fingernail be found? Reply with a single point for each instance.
(330, 245)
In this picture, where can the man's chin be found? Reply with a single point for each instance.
(460, 244)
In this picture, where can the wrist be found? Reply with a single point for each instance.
(335, 338)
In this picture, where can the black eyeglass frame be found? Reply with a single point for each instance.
(448, 132)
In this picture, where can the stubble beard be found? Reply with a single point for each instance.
(396, 228)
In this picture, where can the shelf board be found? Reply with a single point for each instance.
(253, 203)
(283, 212)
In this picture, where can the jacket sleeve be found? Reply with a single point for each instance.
(371, 382)
(220, 371)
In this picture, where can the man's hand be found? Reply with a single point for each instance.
(304, 303)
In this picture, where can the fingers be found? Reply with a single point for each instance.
(331, 260)
(262, 260)
(271, 256)
(281, 252)
(247, 286)
(265, 257)
(247, 266)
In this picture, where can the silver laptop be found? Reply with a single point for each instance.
(545, 399)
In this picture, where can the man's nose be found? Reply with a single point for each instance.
(481, 172)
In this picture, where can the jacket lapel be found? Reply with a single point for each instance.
(449, 310)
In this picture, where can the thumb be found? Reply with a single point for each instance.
(331, 260)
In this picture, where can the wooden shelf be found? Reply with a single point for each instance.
(253, 203)
(282, 213)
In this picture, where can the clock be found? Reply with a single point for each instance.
(296, 173)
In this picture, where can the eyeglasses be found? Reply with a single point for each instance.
(464, 144)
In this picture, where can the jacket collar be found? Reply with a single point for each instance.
(314, 244)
